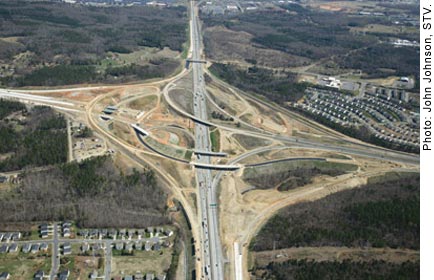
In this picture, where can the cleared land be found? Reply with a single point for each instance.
(144, 104)
(145, 262)
(291, 174)
(329, 253)
(250, 142)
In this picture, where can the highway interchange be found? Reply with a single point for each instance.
(205, 228)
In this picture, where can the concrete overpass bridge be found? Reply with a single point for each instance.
(139, 130)
(224, 167)
(189, 61)
(209, 153)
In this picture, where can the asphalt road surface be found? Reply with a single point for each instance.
(55, 258)
(211, 258)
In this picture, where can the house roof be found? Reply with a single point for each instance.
(3, 248)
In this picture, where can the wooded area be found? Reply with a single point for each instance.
(278, 87)
(314, 34)
(93, 193)
(383, 60)
(380, 214)
(35, 137)
(71, 43)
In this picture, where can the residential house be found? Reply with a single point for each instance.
(44, 247)
(140, 234)
(93, 233)
(13, 248)
(96, 247)
(129, 247)
(119, 246)
(66, 232)
(128, 277)
(157, 247)
(148, 246)
(35, 248)
(45, 230)
(44, 234)
(112, 233)
(85, 247)
(3, 179)
(4, 249)
(64, 275)
(67, 250)
(7, 237)
(44, 226)
(149, 276)
(16, 236)
(138, 246)
(5, 276)
(138, 276)
(26, 248)
(39, 275)
(84, 233)
(130, 233)
(67, 224)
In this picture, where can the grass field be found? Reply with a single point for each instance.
(143, 104)
(284, 166)
(293, 174)
(145, 262)
(167, 149)
(81, 266)
(215, 140)
(23, 266)
(249, 142)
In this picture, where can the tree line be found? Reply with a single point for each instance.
(347, 269)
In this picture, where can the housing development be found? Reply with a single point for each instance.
(209, 140)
